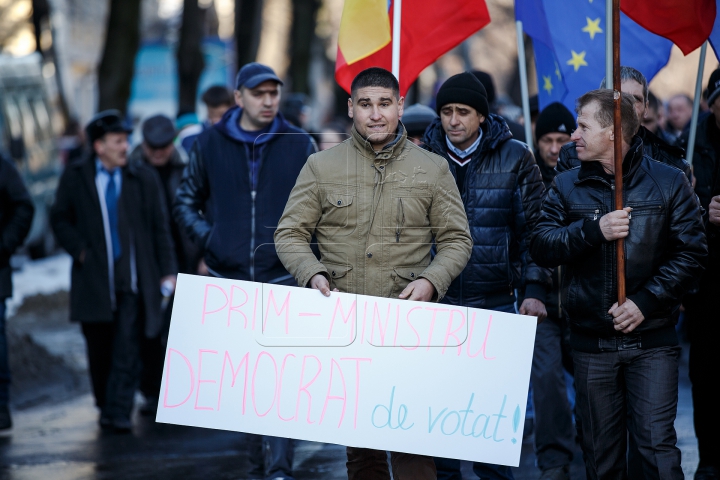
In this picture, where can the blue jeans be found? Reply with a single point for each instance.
(271, 457)
(4, 363)
(449, 469)
(643, 383)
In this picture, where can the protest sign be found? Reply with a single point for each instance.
(354, 370)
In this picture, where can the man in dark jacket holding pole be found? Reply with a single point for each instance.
(501, 189)
(625, 356)
(16, 214)
(109, 216)
(232, 195)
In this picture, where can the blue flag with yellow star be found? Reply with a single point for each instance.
(577, 39)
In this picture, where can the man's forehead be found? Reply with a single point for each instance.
(374, 93)
(457, 106)
(556, 136)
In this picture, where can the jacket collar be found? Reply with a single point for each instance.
(631, 162)
(389, 151)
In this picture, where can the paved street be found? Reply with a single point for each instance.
(56, 434)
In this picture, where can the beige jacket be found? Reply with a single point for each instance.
(375, 217)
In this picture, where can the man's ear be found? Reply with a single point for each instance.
(350, 107)
(238, 99)
(401, 106)
(481, 117)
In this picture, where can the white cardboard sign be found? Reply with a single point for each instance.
(353, 370)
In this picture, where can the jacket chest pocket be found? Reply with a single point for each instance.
(410, 212)
(339, 212)
(645, 209)
(590, 212)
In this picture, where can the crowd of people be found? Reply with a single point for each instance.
(445, 204)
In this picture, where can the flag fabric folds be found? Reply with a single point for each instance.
(430, 28)
(688, 23)
(576, 38)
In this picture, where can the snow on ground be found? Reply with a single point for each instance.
(40, 277)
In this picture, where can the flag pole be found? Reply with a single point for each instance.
(620, 244)
(524, 84)
(609, 37)
(397, 17)
(696, 104)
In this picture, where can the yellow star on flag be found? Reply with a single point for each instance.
(592, 27)
(548, 84)
(557, 71)
(577, 60)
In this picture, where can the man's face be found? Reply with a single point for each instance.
(375, 112)
(635, 89)
(260, 104)
(214, 114)
(549, 147)
(158, 157)
(651, 120)
(592, 141)
(461, 124)
(679, 112)
(112, 150)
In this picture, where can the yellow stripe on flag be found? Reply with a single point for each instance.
(364, 28)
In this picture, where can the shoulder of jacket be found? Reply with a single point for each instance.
(426, 156)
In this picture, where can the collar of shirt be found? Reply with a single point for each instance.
(468, 151)
(105, 175)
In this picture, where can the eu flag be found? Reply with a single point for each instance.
(715, 35)
(576, 32)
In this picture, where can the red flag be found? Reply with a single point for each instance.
(430, 28)
(686, 23)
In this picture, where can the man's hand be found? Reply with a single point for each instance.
(319, 282)
(627, 316)
(534, 308)
(421, 290)
(714, 210)
(616, 225)
(169, 278)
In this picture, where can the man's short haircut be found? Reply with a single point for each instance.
(375, 77)
(629, 73)
(605, 112)
(217, 96)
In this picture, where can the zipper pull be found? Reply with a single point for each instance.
(597, 210)
(397, 237)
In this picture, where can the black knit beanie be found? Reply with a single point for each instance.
(463, 88)
(554, 118)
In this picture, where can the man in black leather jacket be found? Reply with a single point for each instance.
(626, 356)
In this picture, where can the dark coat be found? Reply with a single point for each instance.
(76, 219)
(502, 196)
(16, 214)
(237, 225)
(665, 250)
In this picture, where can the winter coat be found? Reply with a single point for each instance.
(16, 214)
(502, 195)
(665, 250)
(375, 216)
(237, 222)
(77, 221)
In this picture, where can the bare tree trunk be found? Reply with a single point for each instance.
(117, 66)
(301, 37)
(248, 21)
(190, 59)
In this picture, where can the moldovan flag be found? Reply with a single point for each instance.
(686, 23)
(429, 29)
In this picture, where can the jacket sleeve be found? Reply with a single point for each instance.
(20, 210)
(556, 240)
(527, 202)
(686, 252)
(63, 216)
(297, 225)
(162, 239)
(450, 228)
(190, 199)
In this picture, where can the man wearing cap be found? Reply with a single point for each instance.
(109, 217)
(232, 194)
(501, 188)
(553, 427)
(701, 309)
(416, 118)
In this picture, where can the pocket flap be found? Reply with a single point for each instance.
(409, 273)
(337, 271)
(340, 199)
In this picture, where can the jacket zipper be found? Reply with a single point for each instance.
(400, 220)
(253, 194)
(597, 211)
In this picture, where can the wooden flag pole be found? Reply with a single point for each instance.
(620, 244)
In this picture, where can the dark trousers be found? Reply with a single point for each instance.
(641, 382)
(367, 464)
(113, 350)
(554, 432)
(704, 331)
(270, 457)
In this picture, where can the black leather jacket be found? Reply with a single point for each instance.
(665, 250)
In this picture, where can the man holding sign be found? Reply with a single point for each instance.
(626, 355)
(375, 203)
